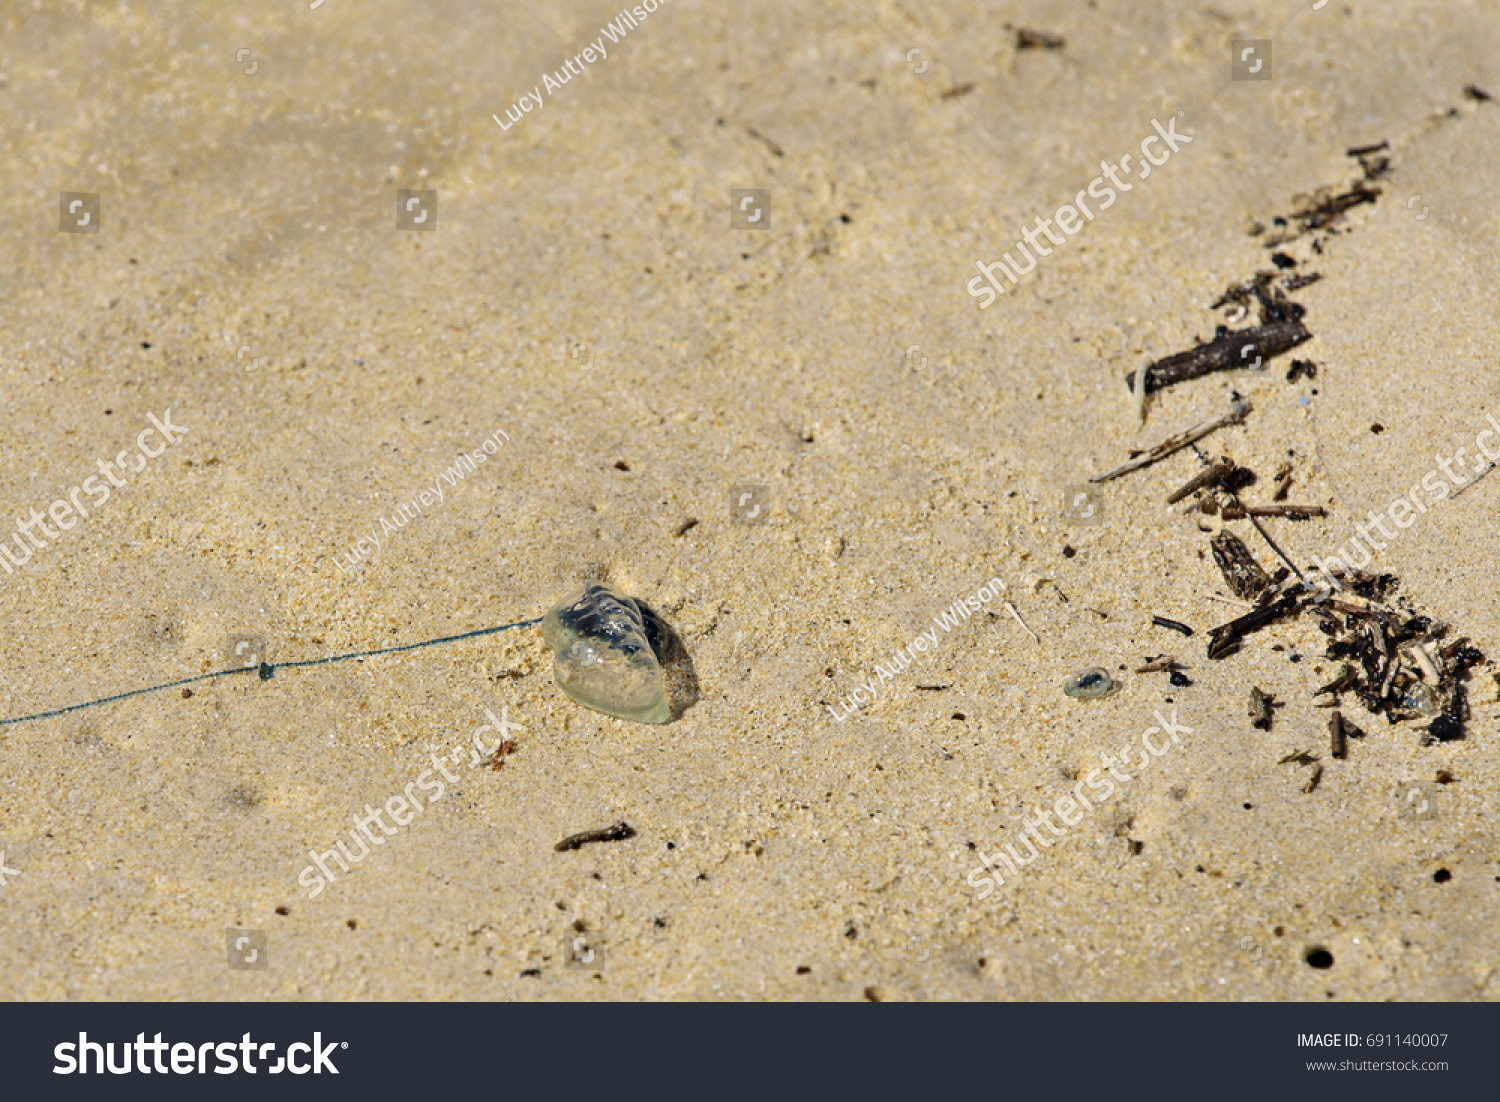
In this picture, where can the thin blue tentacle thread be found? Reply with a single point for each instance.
(268, 669)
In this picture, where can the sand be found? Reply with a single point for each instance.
(250, 278)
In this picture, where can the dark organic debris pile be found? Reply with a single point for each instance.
(1397, 662)
(1323, 209)
(1280, 326)
(1401, 664)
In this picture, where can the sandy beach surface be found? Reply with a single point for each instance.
(653, 356)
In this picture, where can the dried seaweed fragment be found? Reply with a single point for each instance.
(1214, 475)
(1237, 412)
(619, 832)
(1260, 708)
(1223, 639)
(1244, 576)
(1247, 348)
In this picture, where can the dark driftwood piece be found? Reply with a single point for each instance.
(1238, 349)
(1210, 477)
(1223, 639)
(1291, 512)
(617, 833)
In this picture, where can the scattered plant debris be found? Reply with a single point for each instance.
(504, 750)
(1215, 474)
(1225, 639)
(1338, 741)
(1283, 482)
(1290, 512)
(1160, 663)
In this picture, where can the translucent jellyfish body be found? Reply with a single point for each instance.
(606, 654)
(1090, 684)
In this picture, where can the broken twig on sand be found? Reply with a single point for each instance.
(1224, 639)
(1236, 413)
(617, 833)
(1291, 512)
(1210, 477)
(1244, 348)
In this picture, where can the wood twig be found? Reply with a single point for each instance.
(1237, 412)
(1210, 477)
(1291, 512)
(1224, 638)
(1247, 348)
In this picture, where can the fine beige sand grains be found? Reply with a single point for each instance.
(585, 303)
